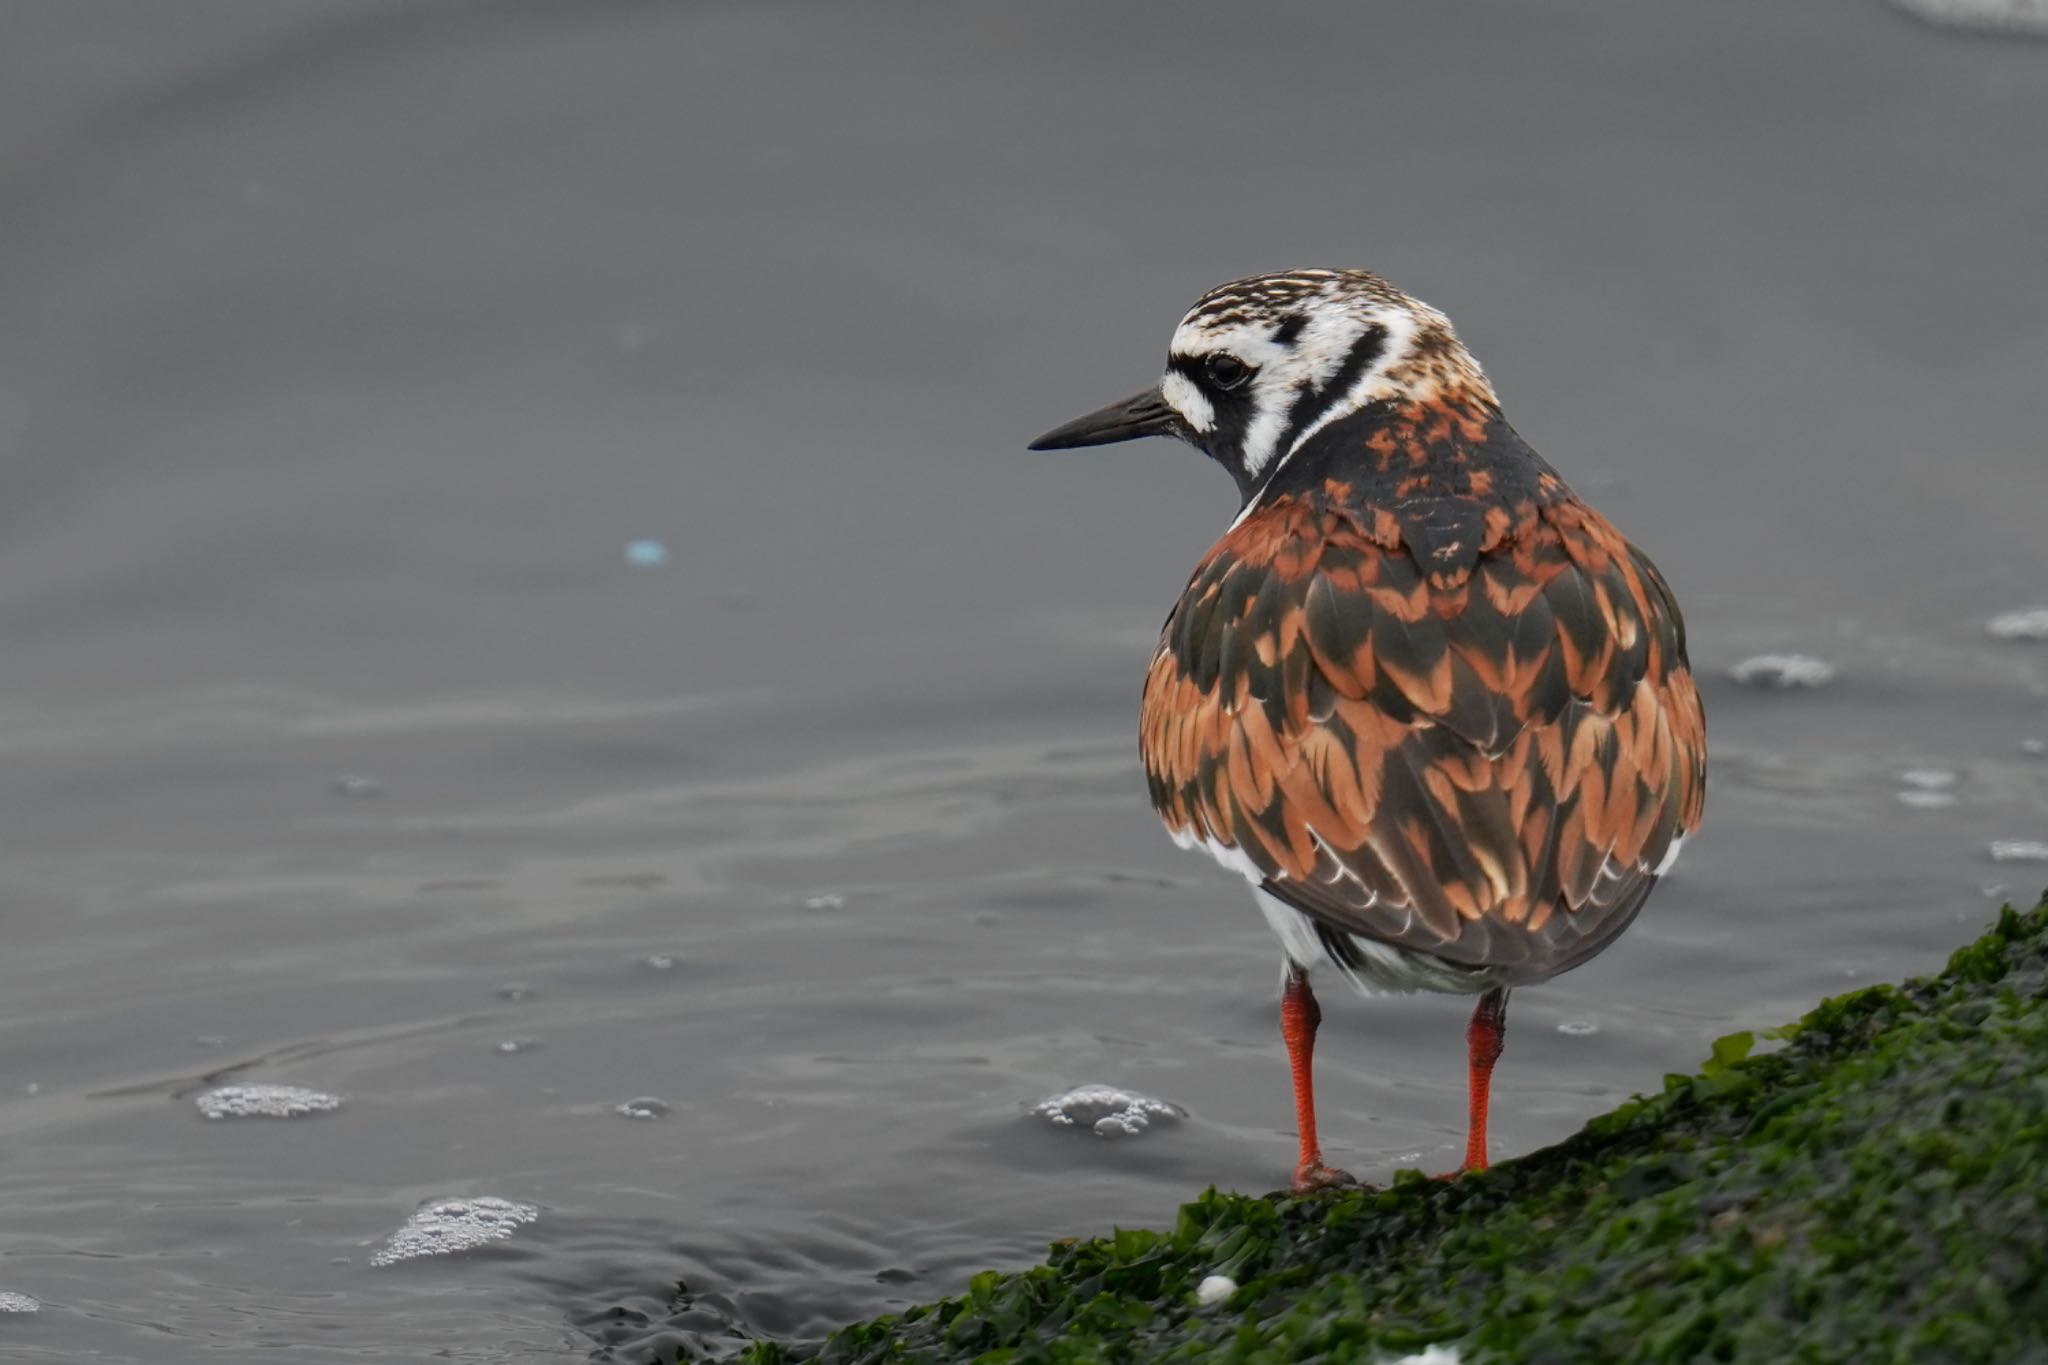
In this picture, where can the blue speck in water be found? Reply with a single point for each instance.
(646, 554)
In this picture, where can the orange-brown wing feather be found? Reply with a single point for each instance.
(1488, 766)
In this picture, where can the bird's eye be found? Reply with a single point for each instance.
(1226, 371)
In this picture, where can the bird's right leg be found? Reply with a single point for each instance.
(1299, 1016)
(1484, 1037)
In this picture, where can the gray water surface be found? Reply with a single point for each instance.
(347, 347)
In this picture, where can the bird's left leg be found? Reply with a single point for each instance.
(1484, 1038)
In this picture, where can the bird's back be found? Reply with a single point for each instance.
(1426, 696)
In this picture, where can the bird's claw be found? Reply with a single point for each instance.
(1311, 1176)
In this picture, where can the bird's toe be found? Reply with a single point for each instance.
(1311, 1176)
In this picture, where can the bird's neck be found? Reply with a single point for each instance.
(1429, 474)
(1453, 444)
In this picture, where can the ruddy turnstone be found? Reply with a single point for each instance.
(1434, 707)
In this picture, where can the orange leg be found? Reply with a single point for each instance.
(1299, 1016)
(1484, 1037)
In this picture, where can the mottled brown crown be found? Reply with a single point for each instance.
(1432, 358)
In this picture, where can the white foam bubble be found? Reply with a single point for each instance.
(643, 1107)
(1214, 1290)
(1430, 1355)
(1986, 15)
(11, 1302)
(2030, 623)
(2019, 851)
(1106, 1110)
(255, 1100)
(1578, 1028)
(1783, 671)
(441, 1227)
(1921, 799)
(512, 1046)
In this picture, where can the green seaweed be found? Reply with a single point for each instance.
(1875, 1189)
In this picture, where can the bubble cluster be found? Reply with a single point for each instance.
(1783, 671)
(259, 1101)
(441, 1227)
(512, 1046)
(828, 901)
(643, 1107)
(1105, 1110)
(11, 1302)
(1578, 1028)
(2019, 851)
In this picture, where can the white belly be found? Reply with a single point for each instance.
(1374, 968)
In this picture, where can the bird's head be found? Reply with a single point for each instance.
(1260, 365)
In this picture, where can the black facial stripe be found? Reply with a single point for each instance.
(1187, 368)
(1289, 328)
(1196, 371)
(1310, 402)
(1230, 409)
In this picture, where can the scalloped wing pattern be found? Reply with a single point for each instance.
(1487, 766)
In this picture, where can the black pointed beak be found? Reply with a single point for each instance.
(1142, 414)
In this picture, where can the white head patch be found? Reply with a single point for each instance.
(1321, 319)
(1190, 402)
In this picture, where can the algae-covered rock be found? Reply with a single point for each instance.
(1874, 1190)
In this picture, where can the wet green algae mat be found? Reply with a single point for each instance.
(1873, 1189)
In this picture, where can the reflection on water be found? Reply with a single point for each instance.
(358, 740)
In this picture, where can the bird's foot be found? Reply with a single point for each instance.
(1311, 1176)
